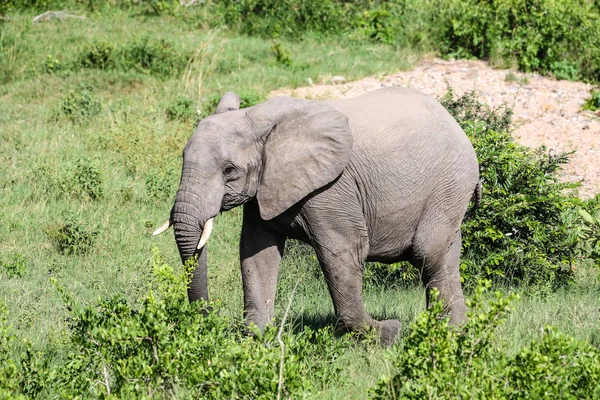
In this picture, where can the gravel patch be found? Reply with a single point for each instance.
(546, 111)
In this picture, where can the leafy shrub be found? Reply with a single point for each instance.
(15, 266)
(9, 372)
(442, 362)
(159, 57)
(524, 231)
(83, 180)
(181, 109)
(51, 64)
(377, 25)
(23, 371)
(593, 102)
(151, 56)
(558, 37)
(590, 232)
(167, 348)
(282, 56)
(79, 106)
(170, 346)
(159, 7)
(100, 54)
(72, 236)
(272, 18)
(401, 274)
(28, 4)
(161, 183)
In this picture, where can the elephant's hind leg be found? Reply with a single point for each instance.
(439, 261)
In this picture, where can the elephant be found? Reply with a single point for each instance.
(387, 176)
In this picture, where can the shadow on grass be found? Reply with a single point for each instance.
(317, 321)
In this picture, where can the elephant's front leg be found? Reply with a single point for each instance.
(260, 254)
(342, 246)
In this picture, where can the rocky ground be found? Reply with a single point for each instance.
(546, 111)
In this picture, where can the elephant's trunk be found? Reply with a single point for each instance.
(187, 235)
(190, 215)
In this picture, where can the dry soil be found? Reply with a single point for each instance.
(546, 111)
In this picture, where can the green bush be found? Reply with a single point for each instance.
(51, 64)
(291, 18)
(161, 183)
(560, 37)
(167, 348)
(181, 109)
(593, 102)
(99, 54)
(158, 57)
(152, 56)
(377, 25)
(525, 231)
(282, 56)
(82, 180)
(442, 362)
(73, 236)
(590, 232)
(79, 106)
(14, 266)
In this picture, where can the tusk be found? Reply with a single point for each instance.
(206, 233)
(163, 227)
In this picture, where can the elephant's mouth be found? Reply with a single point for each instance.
(206, 231)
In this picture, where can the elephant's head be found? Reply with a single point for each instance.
(277, 152)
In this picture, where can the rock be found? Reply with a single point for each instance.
(585, 127)
(338, 80)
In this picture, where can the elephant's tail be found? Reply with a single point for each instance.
(476, 199)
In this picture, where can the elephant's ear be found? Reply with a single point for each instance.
(302, 153)
(229, 102)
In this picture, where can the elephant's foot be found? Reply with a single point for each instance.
(257, 320)
(388, 331)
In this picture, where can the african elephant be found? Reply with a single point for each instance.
(386, 176)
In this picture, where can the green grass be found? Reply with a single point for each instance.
(130, 142)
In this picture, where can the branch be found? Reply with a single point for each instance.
(48, 15)
(106, 381)
(190, 3)
(280, 384)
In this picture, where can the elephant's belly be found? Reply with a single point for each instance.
(393, 250)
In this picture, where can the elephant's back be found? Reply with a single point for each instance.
(394, 121)
(409, 155)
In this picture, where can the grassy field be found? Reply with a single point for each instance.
(93, 117)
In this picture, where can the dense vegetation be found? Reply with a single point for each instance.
(93, 116)
(558, 37)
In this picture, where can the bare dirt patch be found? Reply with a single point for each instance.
(546, 111)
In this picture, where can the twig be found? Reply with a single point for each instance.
(280, 384)
(48, 15)
(106, 380)
(190, 3)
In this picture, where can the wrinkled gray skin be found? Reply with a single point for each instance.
(383, 177)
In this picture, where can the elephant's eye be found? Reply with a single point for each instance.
(228, 171)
